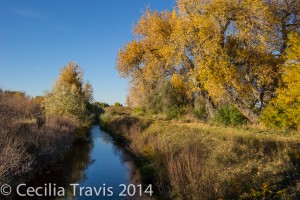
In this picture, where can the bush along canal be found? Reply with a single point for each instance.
(94, 168)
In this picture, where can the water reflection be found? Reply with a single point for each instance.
(94, 162)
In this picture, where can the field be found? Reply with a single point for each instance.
(200, 160)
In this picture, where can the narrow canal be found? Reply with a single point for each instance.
(95, 168)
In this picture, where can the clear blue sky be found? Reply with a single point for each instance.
(37, 37)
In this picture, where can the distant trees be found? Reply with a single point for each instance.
(102, 104)
(117, 104)
(216, 50)
(69, 96)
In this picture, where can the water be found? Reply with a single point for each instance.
(110, 166)
(98, 166)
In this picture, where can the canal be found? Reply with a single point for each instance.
(94, 168)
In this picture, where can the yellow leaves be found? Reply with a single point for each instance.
(285, 108)
(226, 47)
(130, 58)
(71, 77)
(178, 82)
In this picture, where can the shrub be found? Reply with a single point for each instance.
(229, 115)
(199, 109)
(117, 104)
(102, 104)
(63, 101)
(68, 97)
(176, 112)
(139, 111)
(28, 141)
(104, 120)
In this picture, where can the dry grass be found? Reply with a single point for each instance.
(205, 161)
(27, 140)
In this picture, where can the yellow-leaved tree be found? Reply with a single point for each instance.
(69, 97)
(284, 110)
(217, 49)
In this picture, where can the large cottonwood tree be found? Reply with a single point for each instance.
(215, 48)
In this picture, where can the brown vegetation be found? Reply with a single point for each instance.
(27, 140)
(202, 161)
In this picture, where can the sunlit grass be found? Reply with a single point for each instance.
(199, 160)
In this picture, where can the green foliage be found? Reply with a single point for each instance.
(68, 96)
(176, 112)
(117, 104)
(139, 111)
(63, 101)
(105, 119)
(16, 93)
(199, 109)
(102, 104)
(229, 115)
(166, 98)
(265, 192)
(96, 110)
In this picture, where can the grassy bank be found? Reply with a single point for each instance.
(28, 141)
(197, 160)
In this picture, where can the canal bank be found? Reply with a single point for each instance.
(94, 168)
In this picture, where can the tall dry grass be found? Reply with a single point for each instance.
(201, 161)
(27, 140)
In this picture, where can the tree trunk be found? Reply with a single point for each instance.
(209, 104)
(247, 112)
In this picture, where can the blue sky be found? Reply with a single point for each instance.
(37, 37)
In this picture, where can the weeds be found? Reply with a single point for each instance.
(206, 161)
(27, 139)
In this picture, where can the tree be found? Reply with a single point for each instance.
(69, 97)
(117, 104)
(284, 110)
(215, 49)
(237, 47)
(152, 58)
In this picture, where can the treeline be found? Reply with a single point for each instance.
(37, 131)
(205, 55)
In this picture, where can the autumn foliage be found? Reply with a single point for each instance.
(284, 110)
(70, 97)
(221, 51)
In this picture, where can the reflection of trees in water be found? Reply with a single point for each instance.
(133, 173)
(72, 167)
(69, 169)
(106, 139)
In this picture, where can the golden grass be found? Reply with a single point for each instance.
(208, 161)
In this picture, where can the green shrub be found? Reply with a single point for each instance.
(175, 112)
(139, 111)
(117, 104)
(102, 104)
(199, 109)
(104, 120)
(229, 115)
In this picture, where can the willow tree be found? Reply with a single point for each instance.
(68, 95)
